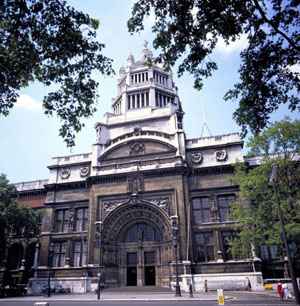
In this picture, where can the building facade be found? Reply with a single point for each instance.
(113, 210)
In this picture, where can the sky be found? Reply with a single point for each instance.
(28, 138)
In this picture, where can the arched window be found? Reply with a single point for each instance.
(142, 232)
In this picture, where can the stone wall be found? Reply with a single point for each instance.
(227, 281)
(38, 286)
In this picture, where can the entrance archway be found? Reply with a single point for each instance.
(138, 236)
(141, 243)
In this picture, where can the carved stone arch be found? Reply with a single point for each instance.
(127, 214)
(130, 223)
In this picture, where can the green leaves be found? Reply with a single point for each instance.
(187, 31)
(54, 44)
(257, 206)
(15, 219)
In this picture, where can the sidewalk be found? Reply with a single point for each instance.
(123, 296)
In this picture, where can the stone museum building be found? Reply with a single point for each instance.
(143, 201)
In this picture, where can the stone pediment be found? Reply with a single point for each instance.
(137, 148)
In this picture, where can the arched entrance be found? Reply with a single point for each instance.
(137, 245)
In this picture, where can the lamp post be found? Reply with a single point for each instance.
(98, 225)
(50, 255)
(273, 182)
(174, 225)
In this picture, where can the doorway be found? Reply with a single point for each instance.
(149, 275)
(131, 269)
(131, 276)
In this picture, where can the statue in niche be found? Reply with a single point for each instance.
(136, 184)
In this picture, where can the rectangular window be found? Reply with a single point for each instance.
(128, 101)
(274, 251)
(264, 252)
(143, 77)
(269, 252)
(135, 78)
(139, 78)
(132, 78)
(131, 259)
(226, 237)
(81, 219)
(133, 101)
(59, 254)
(146, 76)
(149, 258)
(143, 99)
(224, 202)
(79, 253)
(204, 244)
(147, 98)
(156, 99)
(62, 220)
(160, 100)
(201, 210)
(165, 100)
(138, 100)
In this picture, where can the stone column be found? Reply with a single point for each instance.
(152, 97)
(36, 258)
(93, 210)
(140, 267)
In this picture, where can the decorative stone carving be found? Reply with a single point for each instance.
(116, 223)
(136, 184)
(137, 131)
(110, 205)
(162, 202)
(137, 148)
(197, 157)
(221, 155)
(65, 173)
(84, 171)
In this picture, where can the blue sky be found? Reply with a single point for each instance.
(28, 139)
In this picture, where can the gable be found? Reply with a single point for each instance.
(140, 147)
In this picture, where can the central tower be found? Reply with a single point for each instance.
(147, 104)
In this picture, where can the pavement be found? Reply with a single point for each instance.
(136, 294)
(120, 296)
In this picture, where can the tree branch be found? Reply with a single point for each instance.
(266, 19)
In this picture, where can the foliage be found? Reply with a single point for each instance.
(257, 206)
(15, 220)
(51, 42)
(190, 29)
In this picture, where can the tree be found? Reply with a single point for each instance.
(51, 42)
(16, 220)
(189, 30)
(257, 205)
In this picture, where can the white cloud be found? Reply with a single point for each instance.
(27, 102)
(234, 46)
(295, 68)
